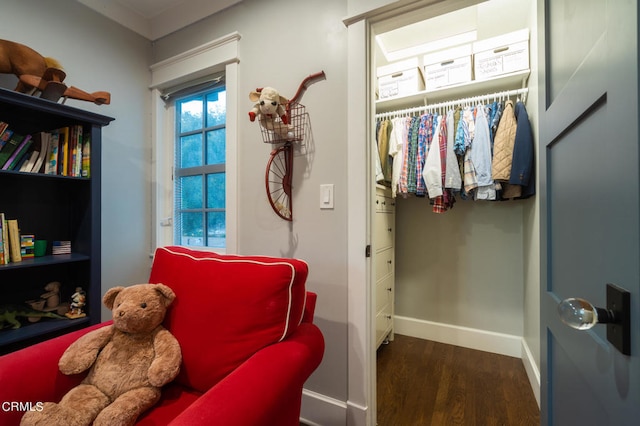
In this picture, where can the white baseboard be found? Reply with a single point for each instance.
(322, 410)
(532, 370)
(488, 341)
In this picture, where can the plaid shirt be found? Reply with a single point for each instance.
(425, 135)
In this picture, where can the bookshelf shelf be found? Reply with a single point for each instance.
(46, 326)
(46, 260)
(51, 207)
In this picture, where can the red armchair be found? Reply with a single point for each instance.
(245, 329)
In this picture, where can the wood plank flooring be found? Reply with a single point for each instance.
(425, 383)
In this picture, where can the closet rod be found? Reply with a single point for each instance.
(463, 101)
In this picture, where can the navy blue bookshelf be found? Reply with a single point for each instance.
(52, 208)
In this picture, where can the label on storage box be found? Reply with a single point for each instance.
(502, 60)
(402, 83)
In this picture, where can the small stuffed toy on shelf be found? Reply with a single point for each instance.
(270, 110)
(78, 300)
(128, 362)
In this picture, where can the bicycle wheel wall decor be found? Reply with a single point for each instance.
(278, 181)
(281, 128)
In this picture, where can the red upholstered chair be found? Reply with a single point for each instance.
(245, 328)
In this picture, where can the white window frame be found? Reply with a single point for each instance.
(209, 59)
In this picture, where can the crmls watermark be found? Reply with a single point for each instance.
(8, 406)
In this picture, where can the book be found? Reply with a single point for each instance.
(27, 243)
(18, 153)
(2, 245)
(27, 161)
(61, 247)
(5, 237)
(77, 165)
(3, 127)
(51, 166)
(42, 149)
(63, 151)
(86, 157)
(14, 240)
(10, 147)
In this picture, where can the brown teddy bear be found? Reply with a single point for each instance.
(128, 362)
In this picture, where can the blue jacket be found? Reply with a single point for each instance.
(522, 162)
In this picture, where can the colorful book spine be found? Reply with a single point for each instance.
(14, 240)
(86, 157)
(27, 243)
(2, 243)
(52, 161)
(5, 237)
(63, 151)
(17, 153)
(10, 147)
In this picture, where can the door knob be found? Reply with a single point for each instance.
(581, 314)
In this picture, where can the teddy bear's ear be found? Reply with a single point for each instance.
(282, 100)
(166, 293)
(110, 296)
(254, 96)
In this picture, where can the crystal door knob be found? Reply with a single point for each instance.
(582, 315)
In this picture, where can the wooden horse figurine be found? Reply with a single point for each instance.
(37, 73)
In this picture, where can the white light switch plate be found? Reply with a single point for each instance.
(326, 196)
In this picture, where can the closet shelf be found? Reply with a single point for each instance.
(514, 80)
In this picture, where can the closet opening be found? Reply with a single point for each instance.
(454, 266)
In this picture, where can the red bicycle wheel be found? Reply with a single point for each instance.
(278, 180)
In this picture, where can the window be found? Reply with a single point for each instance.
(200, 169)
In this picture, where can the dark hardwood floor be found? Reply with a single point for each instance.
(425, 383)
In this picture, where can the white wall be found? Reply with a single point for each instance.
(282, 42)
(98, 54)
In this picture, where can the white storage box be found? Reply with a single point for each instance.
(501, 55)
(401, 78)
(448, 67)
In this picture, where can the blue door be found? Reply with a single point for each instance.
(588, 120)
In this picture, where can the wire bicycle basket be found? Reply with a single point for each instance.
(276, 131)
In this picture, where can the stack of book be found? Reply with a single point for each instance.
(61, 247)
(65, 151)
(10, 244)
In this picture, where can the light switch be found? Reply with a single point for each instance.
(326, 196)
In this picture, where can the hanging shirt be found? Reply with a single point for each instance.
(452, 179)
(432, 173)
(425, 136)
(396, 143)
(412, 154)
(402, 180)
(445, 201)
(379, 174)
(481, 157)
(383, 150)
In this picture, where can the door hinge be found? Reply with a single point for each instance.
(367, 251)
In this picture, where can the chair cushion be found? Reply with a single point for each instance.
(227, 307)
